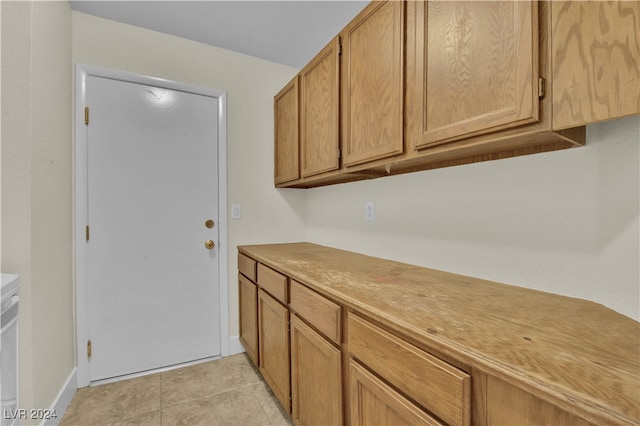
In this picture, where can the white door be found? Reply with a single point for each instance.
(153, 291)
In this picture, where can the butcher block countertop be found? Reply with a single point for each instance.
(574, 353)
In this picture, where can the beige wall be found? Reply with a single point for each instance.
(267, 214)
(37, 190)
(564, 222)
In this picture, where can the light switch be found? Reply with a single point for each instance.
(235, 211)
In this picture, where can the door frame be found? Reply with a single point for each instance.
(80, 219)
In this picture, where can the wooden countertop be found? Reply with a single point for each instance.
(574, 353)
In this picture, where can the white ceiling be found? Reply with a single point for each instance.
(286, 32)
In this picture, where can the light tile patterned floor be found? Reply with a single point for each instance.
(228, 391)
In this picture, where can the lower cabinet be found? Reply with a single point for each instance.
(373, 402)
(329, 363)
(273, 326)
(248, 296)
(507, 404)
(316, 377)
(439, 387)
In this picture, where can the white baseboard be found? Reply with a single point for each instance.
(235, 347)
(63, 399)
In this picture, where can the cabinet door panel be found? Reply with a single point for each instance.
(506, 404)
(372, 83)
(480, 68)
(273, 323)
(286, 115)
(373, 402)
(316, 377)
(594, 75)
(248, 295)
(319, 103)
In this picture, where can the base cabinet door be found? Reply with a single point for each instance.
(373, 402)
(248, 295)
(273, 324)
(316, 377)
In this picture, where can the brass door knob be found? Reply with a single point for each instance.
(209, 244)
(209, 223)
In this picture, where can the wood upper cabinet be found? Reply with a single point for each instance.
(596, 61)
(273, 324)
(286, 136)
(319, 111)
(316, 377)
(373, 83)
(476, 68)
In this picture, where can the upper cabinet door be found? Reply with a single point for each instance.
(285, 105)
(476, 68)
(372, 83)
(596, 61)
(319, 111)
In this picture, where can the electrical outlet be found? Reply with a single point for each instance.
(369, 211)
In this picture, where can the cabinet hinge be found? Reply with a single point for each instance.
(340, 46)
(541, 87)
(88, 348)
(339, 153)
(86, 232)
(86, 115)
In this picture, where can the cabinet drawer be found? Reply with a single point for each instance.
(273, 282)
(439, 387)
(247, 266)
(319, 311)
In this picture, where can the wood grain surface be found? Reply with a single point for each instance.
(372, 83)
(576, 354)
(319, 111)
(286, 135)
(481, 62)
(596, 61)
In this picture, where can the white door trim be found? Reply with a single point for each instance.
(80, 197)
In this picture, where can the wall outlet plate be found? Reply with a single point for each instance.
(369, 211)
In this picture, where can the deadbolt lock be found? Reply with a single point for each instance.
(209, 244)
(209, 223)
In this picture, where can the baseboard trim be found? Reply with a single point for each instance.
(63, 399)
(235, 347)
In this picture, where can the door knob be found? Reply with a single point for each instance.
(209, 244)
(209, 223)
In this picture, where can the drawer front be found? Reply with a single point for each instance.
(319, 311)
(437, 386)
(273, 282)
(247, 266)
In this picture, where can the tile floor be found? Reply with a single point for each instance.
(228, 391)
